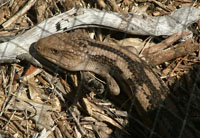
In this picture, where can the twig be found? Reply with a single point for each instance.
(179, 50)
(165, 43)
(20, 13)
(8, 97)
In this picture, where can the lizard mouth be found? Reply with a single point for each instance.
(56, 62)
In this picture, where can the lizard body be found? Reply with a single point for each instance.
(76, 52)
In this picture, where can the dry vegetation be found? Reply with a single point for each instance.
(42, 102)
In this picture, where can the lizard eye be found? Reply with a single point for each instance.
(54, 51)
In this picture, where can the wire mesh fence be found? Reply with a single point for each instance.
(81, 104)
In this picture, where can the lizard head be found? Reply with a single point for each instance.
(62, 49)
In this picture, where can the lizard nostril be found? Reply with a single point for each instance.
(38, 48)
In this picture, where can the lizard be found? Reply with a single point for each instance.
(78, 52)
